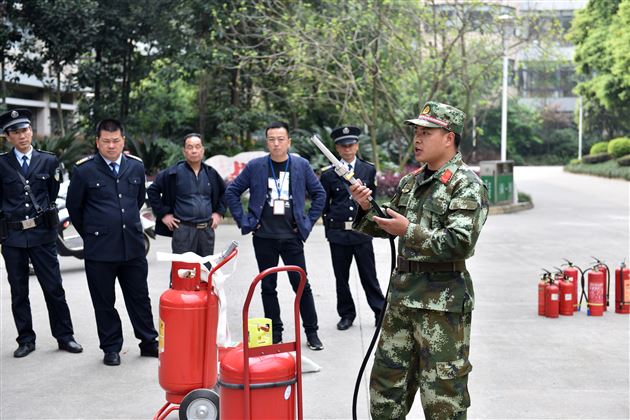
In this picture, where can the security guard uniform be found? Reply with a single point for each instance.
(26, 197)
(104, 208)
(339, 213)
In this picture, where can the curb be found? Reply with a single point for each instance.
(511, 208)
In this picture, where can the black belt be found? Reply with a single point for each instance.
(340, 225)
(196, 225)
(407, 266)
(27, 223)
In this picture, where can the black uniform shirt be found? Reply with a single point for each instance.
(278, 186)
(193, 201)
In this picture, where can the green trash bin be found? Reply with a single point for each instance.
(498, 176)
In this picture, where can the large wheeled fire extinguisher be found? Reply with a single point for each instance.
(264, 382)
(622, 289)
(596, 296)
(565, 287)
(601, 266)
(573, 272)
(188, 341)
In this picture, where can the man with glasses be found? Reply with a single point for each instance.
(104, 199)
(278, 184)
(28, 222)
(187, 200)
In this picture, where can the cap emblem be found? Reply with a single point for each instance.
(426, 110)
(346, 130)
(15, 114)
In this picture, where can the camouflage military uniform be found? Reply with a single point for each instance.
(425, 335)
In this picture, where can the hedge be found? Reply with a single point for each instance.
(610, 169)
(624, 160)
(599, 147)
(619, 147)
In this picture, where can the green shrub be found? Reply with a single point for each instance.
(624, 160)
(575, 161)
(619, 147)
(608, 169)
(596, 158)
(599, 147)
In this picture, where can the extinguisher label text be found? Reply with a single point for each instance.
(554, 296)
(568, 296)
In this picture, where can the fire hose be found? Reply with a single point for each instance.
(348, 176)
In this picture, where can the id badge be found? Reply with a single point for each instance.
(278, 207)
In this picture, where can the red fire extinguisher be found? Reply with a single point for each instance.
(552, 299)
(572, 271)
(601, 266)
(542, 284)
(565, 287)
(622, 289)
(596, 297)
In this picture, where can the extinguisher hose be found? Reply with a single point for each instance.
(583, 295)
(368, 353)
(608, 286)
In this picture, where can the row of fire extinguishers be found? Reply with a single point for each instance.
(558, 291)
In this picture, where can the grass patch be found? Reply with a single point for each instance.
(609, 169)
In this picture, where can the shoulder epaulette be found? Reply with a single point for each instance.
(368, 162)
(45, 151)
(134, 157)
(3, 153)
(85, 159)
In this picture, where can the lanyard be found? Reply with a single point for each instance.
(275, 178)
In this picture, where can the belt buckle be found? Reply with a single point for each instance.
(201, 225)
(28, 224)
(347, 225)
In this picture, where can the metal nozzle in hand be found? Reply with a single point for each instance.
(344, 172)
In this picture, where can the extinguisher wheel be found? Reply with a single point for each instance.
(200, 404)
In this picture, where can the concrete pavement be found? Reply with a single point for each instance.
(525, 366)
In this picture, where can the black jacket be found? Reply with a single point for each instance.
(105, 208)
(163, 191)
(43, 178)
(340, 207)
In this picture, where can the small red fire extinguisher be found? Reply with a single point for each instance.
(552, 299)
(542, 284)
(622, 289)
(596, 297)
(601, 266)
(565, 287)
(571, 271)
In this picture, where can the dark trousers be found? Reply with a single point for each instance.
(342, 260)
(190, 239)
(46, 265)
(132, 276)
(268, 252)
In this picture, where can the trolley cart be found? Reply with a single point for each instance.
(263, 382)
(188, 342)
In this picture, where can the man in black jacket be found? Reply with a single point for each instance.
(339, 214)
(187, 200)
(28, 220)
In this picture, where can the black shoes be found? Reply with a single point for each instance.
(314, 343)
(111, 359)
(24, 349)
(70, 346)
(344, 324)
(149, 349)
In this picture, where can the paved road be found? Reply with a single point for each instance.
(525, 366)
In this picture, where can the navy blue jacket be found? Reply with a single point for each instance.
(104, 208)
(254, 177)
(340, 207)
(43, 178)
(162, 194)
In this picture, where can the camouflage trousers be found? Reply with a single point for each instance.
(426, 350)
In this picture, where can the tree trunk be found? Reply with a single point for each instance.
(202, 100)
(96, 106)
(3, 107)
(59, 110)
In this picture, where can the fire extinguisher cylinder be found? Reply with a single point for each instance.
(622, 289)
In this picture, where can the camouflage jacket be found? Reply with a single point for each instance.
(446, 213)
